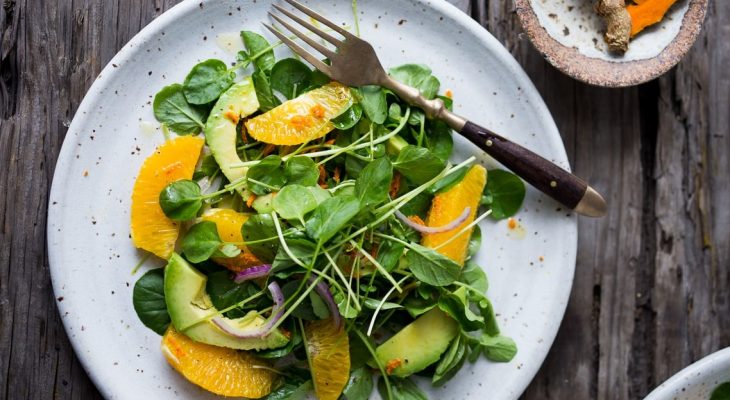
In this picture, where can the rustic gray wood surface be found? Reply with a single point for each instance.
(652, 288)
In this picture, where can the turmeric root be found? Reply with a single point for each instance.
(618, 21)
(647, 12)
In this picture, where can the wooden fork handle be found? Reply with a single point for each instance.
(544, 175)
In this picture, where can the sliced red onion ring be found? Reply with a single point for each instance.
(324, 292)
(276, 313)
(435, 229)
(247, 274)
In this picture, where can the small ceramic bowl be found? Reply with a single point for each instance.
(569, 34)
(696, 382)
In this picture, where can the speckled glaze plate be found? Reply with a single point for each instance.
(530, 268)
(697, 381)
(569, 34)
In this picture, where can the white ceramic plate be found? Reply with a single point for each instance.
(697, 381)
(91, 255)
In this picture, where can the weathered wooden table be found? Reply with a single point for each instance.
(652, 287)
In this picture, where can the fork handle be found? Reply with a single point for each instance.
(561, 185)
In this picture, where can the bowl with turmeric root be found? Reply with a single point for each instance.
(612, 43)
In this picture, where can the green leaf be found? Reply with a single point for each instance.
(301, 248)
(266, 97)
(498, 348)
(319, 194)
(349, 118)
(373, 102)
(451, 361)
(403, 389)
(457, 306)
(418, 76)
(208, 167)
(293, 202)
(448, 181)
(331, 216)
(506, 190)
(360, 385)
(373, 304)
(341, 301)
(207, 81)
(259, 227)
(474, 276)
(172, 109)
(304, 309)
(148, 299)
(301, 170)
(438, 139)
(475, 242)
(318, 306)
(419, 205)
(431, 267)
(418, 164)
(255, 45)
(721, 392)
(296, 340)
(289, 391)
(269, 172)
(417, 306)
(181, 200)
(290, 77)
(224, 292)
(389, 254)
(201, 242)
(373, 184)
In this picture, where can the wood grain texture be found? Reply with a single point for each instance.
(652, 285)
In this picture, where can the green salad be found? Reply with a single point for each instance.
(318, 238)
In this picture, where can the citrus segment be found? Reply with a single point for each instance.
(225, 372)
(328, 351)
(172, 161)
(229, 224)
(302, 119)
(448, 206)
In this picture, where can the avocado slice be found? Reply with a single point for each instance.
(418, 345)
(220, 130)
(189, 305)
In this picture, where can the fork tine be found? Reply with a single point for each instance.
(316, 62)
(301, 7)
(319, 47)
(309, 26)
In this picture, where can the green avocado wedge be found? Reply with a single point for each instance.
(419, 344)
(220, 130)
(189, 305)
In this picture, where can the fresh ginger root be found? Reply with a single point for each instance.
(647, 12)
(618, 21)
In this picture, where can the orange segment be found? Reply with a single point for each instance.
(447, 206)
(328, 351)
(172, 161)
(302, 119)
(229, 224)
(223, 371)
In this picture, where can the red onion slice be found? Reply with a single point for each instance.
(276, 313)
(435, 229)
(324, 292)
(247, 274)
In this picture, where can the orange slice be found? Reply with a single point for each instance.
(229, 224)
(302, 119)
(448, 206)
(223, 371)
(328, 351)
(172, 161)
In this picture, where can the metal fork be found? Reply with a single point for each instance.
(353, 62)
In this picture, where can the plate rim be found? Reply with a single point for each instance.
(62, 171)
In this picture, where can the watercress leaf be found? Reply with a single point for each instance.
(507, 192)
(319, 193)
(181, 200)
(490, 320)
(419, 205)
(318, 306)
(208, 167)
(289, 391)
(293, 202)
(359, 353)
(360, 385)
(227, 250)
(417, 306)
(264, 94)
(474, 276)
(475, 242)
(721, 392)
(457, 306)
(294, 341)
(266, 176)
(403, 389)
(201, 241)
(417, 117)
(331, 216)
(373, 304)
(448, 102)
(419, 76)
(301, 170)
(438, 139)
(302, 249)
(224, 292)
(257, 46)
(172, 109)
(451, 361)
(304, 309)
(418, 164)
(373, 102)
(290, 77)
(373, 184)
(148, 298)
(318, 79)
(498, 348)
(260, 227)
(389, 254)
(431, 267)
(349, 118)
(207, 81)
(346, 311)
(394, 112)
(447, 182)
